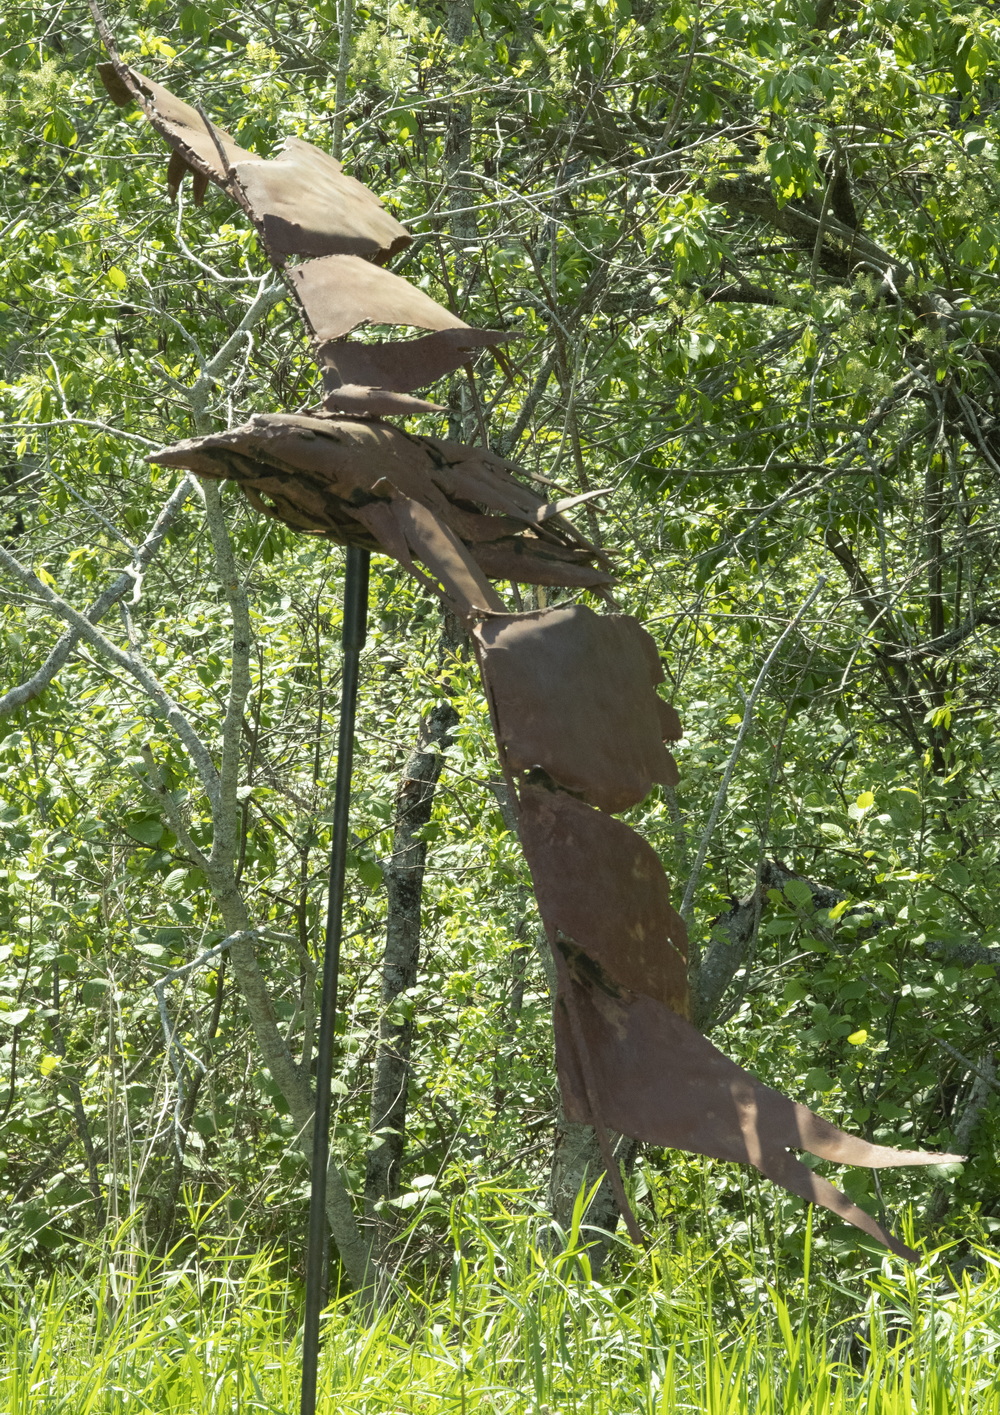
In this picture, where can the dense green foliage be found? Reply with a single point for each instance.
(753, 255)
(515, 1333)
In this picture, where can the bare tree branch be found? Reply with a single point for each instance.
(129, 663)
(131, 578)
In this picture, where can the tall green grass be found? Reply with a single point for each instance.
(516, 1325)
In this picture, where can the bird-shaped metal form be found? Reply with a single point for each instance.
(579, 722)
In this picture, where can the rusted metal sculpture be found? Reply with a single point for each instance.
(573, 695)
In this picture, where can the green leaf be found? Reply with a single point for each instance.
(371, 873)
(819, 1080)
(799, 893)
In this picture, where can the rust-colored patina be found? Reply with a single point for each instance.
(602, 886)
(197, 146)
(404, 365)
(657, 1078)
(301, 201)
(365, 401)
(304, 203)
(317, 473)
(343, 291)
(574, 692)
(580, 724)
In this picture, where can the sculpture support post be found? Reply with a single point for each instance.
(317, 1254)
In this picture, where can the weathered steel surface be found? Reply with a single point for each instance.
(367, 402)
(602, 886)
(575, 693)
(537, 563)
(404, 365)
(314, 473)
(302, 201)
(415, 531)
(657, 1078)
(305, 204)
(183, 127)
(342, 291)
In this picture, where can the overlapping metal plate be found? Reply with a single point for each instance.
(316, 472)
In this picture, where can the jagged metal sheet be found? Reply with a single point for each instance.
(655, 1077)
(600, 884)
(571, 694)
(302, 201)
(312, 471)
(305, 204)
(406, 530)
(342, 291)
(366, 402)
(406, 364)
(182, 126)
(536, 563)
(574, 692)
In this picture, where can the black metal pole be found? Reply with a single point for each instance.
(317, 1251)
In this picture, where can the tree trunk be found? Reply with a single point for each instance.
(404, 887)
(577, 1161)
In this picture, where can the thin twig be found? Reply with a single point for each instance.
(28, 690)
(196, 749)
(734, 755)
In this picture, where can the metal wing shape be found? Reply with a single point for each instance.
(574, 699)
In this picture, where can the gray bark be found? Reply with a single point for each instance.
(577, 1162)
(983, 1083)
(130, 579)
(734, 934)
(404, 888)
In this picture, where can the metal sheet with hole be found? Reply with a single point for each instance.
(658, 1079)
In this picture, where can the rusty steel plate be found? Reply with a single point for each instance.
(655, 1077)
(342, 291)
(462, 585)
(602, 886)
(305, 204)
(181, 125)
(574, 692)
(313, 472)
(365, 402)
(118, 90)
(532, 562)
(407, 364)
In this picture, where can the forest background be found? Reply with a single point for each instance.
(753, 259)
